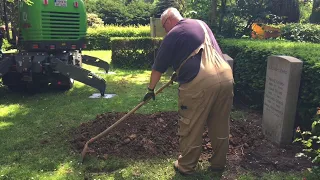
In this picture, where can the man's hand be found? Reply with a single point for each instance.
(150, 94)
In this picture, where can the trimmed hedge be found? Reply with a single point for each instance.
(134, 53)
(250, 63)
(100, 38)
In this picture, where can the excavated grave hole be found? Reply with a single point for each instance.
(144, 136)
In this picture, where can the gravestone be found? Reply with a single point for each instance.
(156, 28)
(280, 98)
(228, 59)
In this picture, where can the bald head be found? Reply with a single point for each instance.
(171, 14)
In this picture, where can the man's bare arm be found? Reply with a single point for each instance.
(154, 78)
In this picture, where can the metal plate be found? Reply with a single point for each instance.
(98, 95)
(103, 72)
(60, 3)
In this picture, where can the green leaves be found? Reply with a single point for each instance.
(121, 13)
(301, 32)
(100, 38)
(162, 5)
(134, 53)
(311, 144)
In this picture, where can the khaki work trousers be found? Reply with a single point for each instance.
(209, 106)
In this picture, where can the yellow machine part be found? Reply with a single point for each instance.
(261, 31)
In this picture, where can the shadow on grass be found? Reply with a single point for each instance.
(200, 175)
(154, 168)
(36, 143)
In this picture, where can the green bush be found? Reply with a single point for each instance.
(250, 63)
(111, 12)
(122, 12)
(6, 45)
(93, 20)
(310, 141)
(305, 11)
(300, 32)
(100, 38)
(139, 12)
(134, 53)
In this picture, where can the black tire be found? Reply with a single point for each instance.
(13, 82)
(62, 83)
(17, 88)
(67, 85)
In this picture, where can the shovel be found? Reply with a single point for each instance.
(86, 146)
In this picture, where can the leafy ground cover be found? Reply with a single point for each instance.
(42, 134)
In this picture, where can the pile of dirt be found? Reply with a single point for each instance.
(154, 135)
(140, 136)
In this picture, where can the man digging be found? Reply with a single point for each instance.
(205, 88)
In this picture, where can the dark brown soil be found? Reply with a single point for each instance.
(148, 136)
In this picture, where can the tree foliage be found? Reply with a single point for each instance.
(198, 9)
(230, 18)
(287, 10)
(111, 12)
(93, 20)
(11, 10)
(121, 12)
(162, 5)
(241, 15)
(139, 12)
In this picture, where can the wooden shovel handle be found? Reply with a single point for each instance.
(128, 114)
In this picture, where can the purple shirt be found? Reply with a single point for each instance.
(178, 44)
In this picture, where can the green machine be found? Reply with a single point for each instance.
(49, 39)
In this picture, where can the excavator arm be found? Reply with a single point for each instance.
(79, 74)
(95, 62)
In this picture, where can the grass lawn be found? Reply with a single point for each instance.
(34, 130)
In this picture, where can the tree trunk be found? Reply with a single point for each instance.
(222, 13)
(213, 17)
(315, 15)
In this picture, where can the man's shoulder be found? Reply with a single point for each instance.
(186, 21)
(189, 23)
(192, 20)
(183, 25)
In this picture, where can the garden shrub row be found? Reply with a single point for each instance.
(100, 38)
(250, 63)
(134, 52)
(300, 32)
